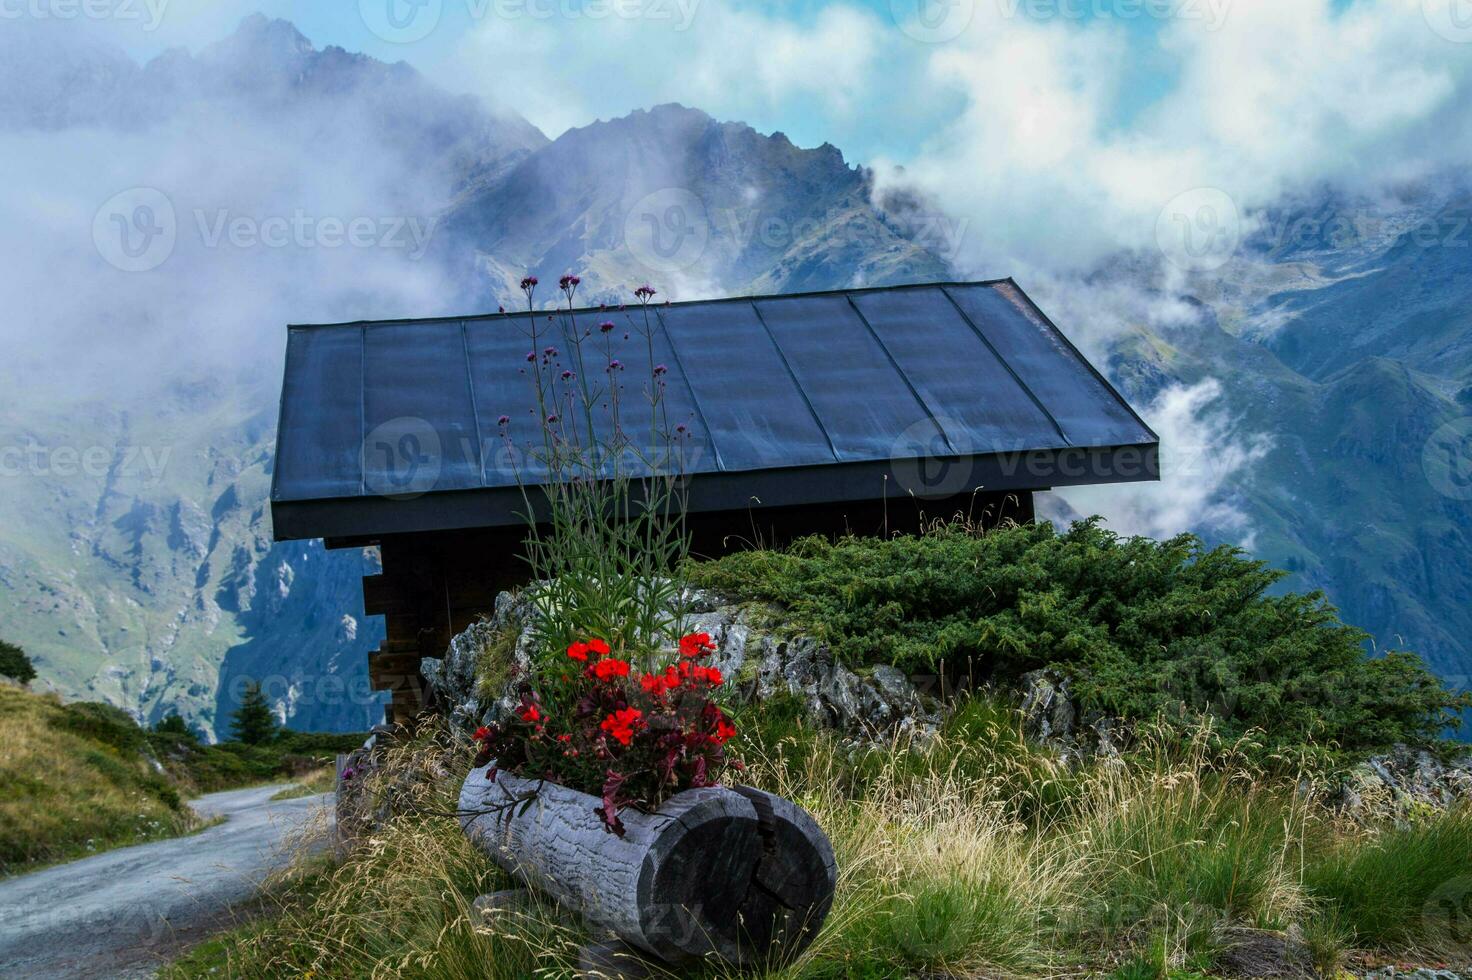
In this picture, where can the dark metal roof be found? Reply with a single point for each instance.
(391, 426)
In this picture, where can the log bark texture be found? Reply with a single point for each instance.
(735, 873)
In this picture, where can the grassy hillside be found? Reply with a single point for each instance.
(71, 788)
(83, 777)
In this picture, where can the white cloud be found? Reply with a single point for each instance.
(1204, 456)
(1274, 97)
(730, 60)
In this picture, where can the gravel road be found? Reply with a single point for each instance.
(120, 913)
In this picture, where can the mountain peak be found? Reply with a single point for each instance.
(260, 42)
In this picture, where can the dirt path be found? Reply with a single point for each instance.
(120, 913)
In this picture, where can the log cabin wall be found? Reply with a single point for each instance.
(434, 585)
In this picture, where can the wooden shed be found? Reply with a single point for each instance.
(857, 410)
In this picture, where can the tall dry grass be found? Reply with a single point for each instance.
(972, 858)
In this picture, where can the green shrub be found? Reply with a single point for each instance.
(15, 664)
(1147, 629)
(104, 723)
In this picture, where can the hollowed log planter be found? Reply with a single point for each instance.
(735, 873)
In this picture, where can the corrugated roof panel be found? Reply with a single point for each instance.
(863, 402)
(504, 385)
(798, 399)
(978, 402)
(320, 437)
(1088, 411)
(418, 417)
(751, 404)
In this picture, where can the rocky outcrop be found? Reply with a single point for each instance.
(1051, 717)
(1393, 784)
(1403, 780)
(759, 657)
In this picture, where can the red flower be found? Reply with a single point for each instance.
(529, 712)
(598, 646)
(724, 731)
(710, 675)
(578, 651)
(620, 724)
(652, 683)
(607, 670)
(481, 734)
(696, 645)
(564, 738)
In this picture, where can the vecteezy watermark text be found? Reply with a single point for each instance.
(301, 230)
(408, 21)
(34, 459)
(149, 12)
(138, 229)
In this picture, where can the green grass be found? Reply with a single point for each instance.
(1144, 867)
(82, 778)
(69, 791)
(1404, 886)
(314, 783)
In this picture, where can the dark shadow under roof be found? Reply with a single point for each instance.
(392, 426)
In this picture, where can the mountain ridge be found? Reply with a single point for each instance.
(157, 590)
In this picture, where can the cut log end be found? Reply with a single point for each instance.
(737, 874)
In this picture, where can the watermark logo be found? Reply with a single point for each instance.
(1446, 918)
(402, 458)
(1450, 19)
(1199, 230)
(925, 465)
(668, 230)
(933, 21)
(135, 230)
(1447, 459)
(401, 21)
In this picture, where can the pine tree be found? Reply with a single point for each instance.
(172, 724)
(253, 721)
(15, 664)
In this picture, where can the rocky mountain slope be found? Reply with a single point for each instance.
(151, 580)
(1350, 351)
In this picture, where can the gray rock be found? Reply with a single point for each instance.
(758, 656)
(1402, 779)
